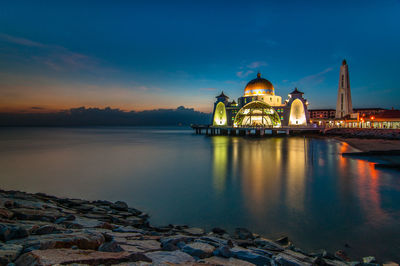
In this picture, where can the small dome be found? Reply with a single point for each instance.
(259, 86)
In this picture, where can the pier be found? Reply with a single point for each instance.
(254, 131)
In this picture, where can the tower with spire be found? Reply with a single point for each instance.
(344, 105)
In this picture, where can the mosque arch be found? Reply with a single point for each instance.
(220, 115)
(257, 113)
(297, 114)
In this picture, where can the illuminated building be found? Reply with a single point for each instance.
(259, 106)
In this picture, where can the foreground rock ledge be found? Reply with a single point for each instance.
(37, 229)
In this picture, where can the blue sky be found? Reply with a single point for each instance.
(137, 55)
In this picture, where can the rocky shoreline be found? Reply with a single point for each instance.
(38, 229)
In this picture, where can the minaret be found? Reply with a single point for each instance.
(344, 105)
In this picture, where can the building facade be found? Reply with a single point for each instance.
(260, 107)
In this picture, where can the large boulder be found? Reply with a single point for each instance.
(226, 261)
(70, 256)
(9, 232)
(243, 233)
(9, 253)
(81, 240)
(120, 206)
(199, 249)
(249, 256)
(169, 257)
(50, 215)
(140, 245)
(111, 246)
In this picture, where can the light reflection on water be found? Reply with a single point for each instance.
(297, 186)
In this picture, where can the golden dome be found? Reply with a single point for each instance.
(259, 86)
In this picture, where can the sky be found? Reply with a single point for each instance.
(141, 55)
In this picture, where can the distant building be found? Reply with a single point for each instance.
(259, 106)
(368, 111)
(322, 113)
(344, 105)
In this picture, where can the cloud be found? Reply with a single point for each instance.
(20, 41)
(54, 57)
(312, 80)
(244, 73)
(256, 64)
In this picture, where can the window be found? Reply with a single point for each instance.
(342, 81)
(341, 105)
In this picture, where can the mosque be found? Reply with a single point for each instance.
(260, 107)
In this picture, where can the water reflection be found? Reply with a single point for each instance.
(300, 187)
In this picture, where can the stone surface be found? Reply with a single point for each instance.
(9, 253)
(69, 256)
(242, 233)
(6, 214)
(143, 245)
(268, 244)
(45, 229)
(9, 232)
(169, 257)
(34, 214)
(227, 261)
(79, 239)
(247, 255)
(120, 206)
(110, 247)
(198, 249)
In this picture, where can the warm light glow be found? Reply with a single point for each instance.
(257, 113)
(220, 115)
(297, 114)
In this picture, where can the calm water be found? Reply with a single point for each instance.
(291, 186)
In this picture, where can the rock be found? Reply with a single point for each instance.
(135, 221)
(143, 245)
(174, 239)
(247, 255)
(106, 226)
(286, 260)
(69, 217)
(9, 232)
(84, 208)
(169, 257)
(243, 233)
(43, 230)
(218, 231)
(289, 257)
(341, 255)
(226, 261)
(199, 250)
(268, 244)
(36, 215)
(9, 253)
(112, 246)
(283, 241)
(6, 214)
(216, 241)
(70, 256)
(120, 206)
(223, 251)
(369, 259)
(82, 240)
(390, 263)
(194, 231)
(244, 243)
